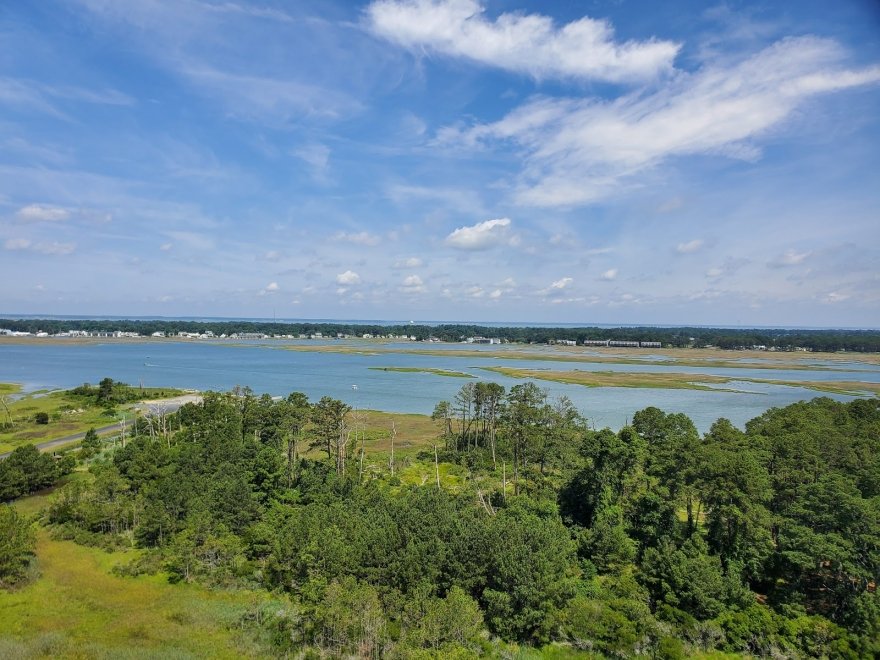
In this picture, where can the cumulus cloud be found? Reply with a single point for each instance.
(689, 246)
(561, 283)
(411, 262)
(413, 284)
(348, 278)
(580, 150)
(358, 238)
(523, 43)
(41, 213)
(272, 287)
(496, 294)
(480, 236)
(609, 275)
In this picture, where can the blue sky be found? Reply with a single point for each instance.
(585, 162)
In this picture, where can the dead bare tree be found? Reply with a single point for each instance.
(391, 457)
(4, 401)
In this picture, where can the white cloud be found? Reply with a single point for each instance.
(195, 240)
(496, 294)
(359, 238)
(480, 236)
(55, 248)
(272, 287)
(274, 100)
(790, 258)
(835, 297)
(729, 267)
(577, 151)
(41, 213)
(609, 275)
(52, 248)
(518, 42)
(348, 278)
(317, 157)
(166, 246)
(413, 284)
(689, 246)
(16, 244)
(410, 262)
(561, 283)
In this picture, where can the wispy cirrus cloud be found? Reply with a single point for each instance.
(43, 247)
(48, 98)
(580, 150)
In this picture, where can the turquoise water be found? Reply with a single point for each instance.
(266, 367)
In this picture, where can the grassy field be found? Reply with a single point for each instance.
(77, 608)
(426, 370)
(68, 414)
(671, 357)
(671, 381)
(678, 381)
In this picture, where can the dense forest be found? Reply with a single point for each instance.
(652, 541)
(729, 338)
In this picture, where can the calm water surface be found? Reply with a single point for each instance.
(266, 367)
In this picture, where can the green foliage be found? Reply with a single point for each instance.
(648, 541)
(26, 470)
(690, 579)
(90, 445)
(16, 546)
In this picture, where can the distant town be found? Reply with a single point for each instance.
(477, 339)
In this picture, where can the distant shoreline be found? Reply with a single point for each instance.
(429, 323)
(644, 337)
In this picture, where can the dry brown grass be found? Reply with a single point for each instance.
(679, 380)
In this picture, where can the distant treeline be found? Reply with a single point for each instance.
(730, 338)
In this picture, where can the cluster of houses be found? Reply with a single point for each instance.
(69, 333)
(208, 334)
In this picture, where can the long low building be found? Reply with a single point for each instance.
(621, 343)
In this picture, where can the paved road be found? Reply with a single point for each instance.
(167, 405)
(52, 444)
